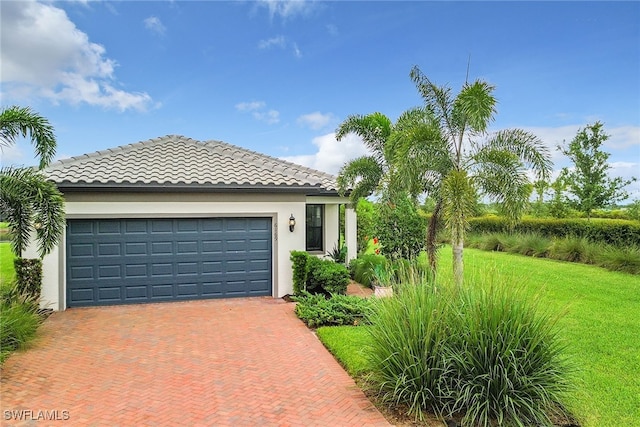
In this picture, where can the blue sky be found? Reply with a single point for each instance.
(279, 76)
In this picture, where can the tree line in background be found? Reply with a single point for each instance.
(442, 152)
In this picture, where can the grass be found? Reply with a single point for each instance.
(600, 326)
(7, 273)
(347, 345)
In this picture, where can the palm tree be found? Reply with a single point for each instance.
(22, 121)
(27, 199)
(31, 202)
(364, 175)
(446, 151)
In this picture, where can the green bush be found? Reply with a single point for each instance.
(29, 276)
(300, 266)
(609, 231)
(505, 358)
(312, 274)
(401, 229)
(485, 351)
(326, 276)
(19, 320)
(317, 310)
(362, 268)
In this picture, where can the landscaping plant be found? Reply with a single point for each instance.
(318, 310)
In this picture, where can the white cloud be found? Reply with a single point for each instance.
(259, 112)
(154, 25)
(287, 8)
(296, 51)
(45, 55)
(331, 154)
(250, 106)
(316, 120)
(279, 41)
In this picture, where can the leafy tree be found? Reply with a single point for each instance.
(444, 149)
(400, 227)
(28, 201)
(558, 207)
(588, 181)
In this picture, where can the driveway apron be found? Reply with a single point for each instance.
(230, 362)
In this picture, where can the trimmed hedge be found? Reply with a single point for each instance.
(315, 275)
(29, 276)
(616, 232)
(317, 310)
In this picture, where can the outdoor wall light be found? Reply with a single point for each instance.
(292, 223)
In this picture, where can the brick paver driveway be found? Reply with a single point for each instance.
(233, 362)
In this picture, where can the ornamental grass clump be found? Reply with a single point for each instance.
(483, 353)
(408, 339)
(505, 358)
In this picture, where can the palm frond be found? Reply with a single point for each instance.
(31, 202)
(438, 99)
(362, 176)
(374, 129)
(475, 106)
(529, 148)
(22, 121)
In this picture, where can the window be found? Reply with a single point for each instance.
(314, 227)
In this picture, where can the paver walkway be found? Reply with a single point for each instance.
(233, 362)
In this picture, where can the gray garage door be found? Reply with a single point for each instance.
(127, 261)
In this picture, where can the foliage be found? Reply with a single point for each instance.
(366, 213)
(400, 228)
(572, 249)
(299, 261)
(19, 321)
(484, 351)
(433, 155)
(29, 277)
(312, 274)
(613, 232)
(338, 255)
(325, 276)
(30, 202)
(23, 121)
(599, 328)
(317, 310)
(506, 358)
(588, 180)
(362, 268)
(348, 345)
(634, 210)
(408, 338)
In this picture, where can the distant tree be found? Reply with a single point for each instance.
(558, 206)
(588, 182)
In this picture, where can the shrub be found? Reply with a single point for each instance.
(317, 310)
(29, 276)
(326, 276)
(571, 249)
(484, 351)
(620, 259)
(400, 228)
(338, 255)
(505, 358)
(299, 262)
(19, 320)
(609, 231)
(408, 336)
(362, 268)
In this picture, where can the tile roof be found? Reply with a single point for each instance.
(177, 161)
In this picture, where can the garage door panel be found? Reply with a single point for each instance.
(148, 260)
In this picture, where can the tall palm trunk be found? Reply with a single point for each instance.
(432, 233)
(457, 245)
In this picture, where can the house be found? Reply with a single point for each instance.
(176, 219)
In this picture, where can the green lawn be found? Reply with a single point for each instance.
(6, 263)
(601, 326)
